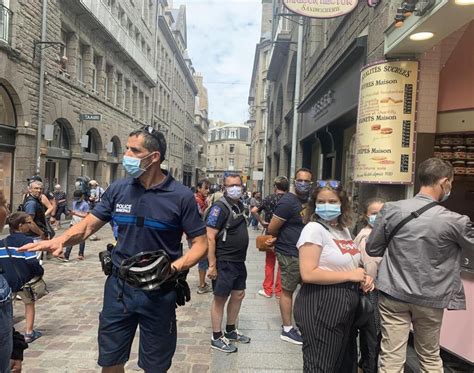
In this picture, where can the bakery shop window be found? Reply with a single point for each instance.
(457, 149)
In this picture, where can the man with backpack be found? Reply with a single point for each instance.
(33, 206)
(228, 241)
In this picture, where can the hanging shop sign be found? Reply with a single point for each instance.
(321, 8)
(386, 123)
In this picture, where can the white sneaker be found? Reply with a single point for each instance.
(263, 294)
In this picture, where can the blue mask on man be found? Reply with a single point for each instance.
(132, 165)
(303, 187)
(328, 211)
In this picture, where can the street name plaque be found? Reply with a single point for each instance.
(96, 117)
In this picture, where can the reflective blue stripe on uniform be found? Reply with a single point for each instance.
(149, 223)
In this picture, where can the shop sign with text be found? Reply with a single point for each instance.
(321, 8)
(386, 123)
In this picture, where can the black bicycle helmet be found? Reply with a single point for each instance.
(147, 270)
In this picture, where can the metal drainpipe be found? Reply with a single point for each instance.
(44, 31)
(296, 102)
(264, 179)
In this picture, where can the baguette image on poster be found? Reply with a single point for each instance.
(386, 123)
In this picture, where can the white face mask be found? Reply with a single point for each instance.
(234, 192)
(445, 194)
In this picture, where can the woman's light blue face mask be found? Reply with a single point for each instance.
(371, 219)
(328, 211)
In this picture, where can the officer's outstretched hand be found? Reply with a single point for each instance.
(54, 246)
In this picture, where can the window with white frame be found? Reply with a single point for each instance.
(231, 148)
(95, 69)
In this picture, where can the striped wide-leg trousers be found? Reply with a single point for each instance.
(325, 315)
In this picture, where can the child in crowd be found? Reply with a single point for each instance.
(80, 209)
(20, 268)
(369, 333)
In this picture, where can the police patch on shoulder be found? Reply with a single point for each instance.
(213, 216)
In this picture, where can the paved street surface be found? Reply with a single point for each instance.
(68, 318)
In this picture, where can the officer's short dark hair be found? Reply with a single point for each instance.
(434, 169)
(154, 140)
(281, 183)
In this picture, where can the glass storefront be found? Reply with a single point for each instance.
(7, 142)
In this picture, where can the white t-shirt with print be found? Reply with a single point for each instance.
(339, 252)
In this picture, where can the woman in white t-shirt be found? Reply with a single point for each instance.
(329, 264)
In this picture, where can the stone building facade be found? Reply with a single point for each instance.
(201, 125)
(257, 100)
(227, 150)
(109, 67)
(333, 52)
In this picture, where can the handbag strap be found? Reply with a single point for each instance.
(413, 215)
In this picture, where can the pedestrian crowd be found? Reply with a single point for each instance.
(402, 268)
(37, 218)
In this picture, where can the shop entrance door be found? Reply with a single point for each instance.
(56, 172)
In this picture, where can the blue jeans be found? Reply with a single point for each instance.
(6, 325)
(82, 246)
(124, 309)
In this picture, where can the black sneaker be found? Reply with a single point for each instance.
(223, 344)
(235, 336)
(293, 336)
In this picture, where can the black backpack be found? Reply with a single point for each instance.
(232, 216)
(82, 184)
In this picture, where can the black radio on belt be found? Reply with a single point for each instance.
(105, 258)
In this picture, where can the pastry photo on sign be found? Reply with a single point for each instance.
(375, 127)
(386, 131)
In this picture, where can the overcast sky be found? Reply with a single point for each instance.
(222, 35)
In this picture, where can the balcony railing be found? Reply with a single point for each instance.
(5, 24)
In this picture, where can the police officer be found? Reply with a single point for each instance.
(152, 212)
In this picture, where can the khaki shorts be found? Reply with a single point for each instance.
(290, 271)
(25, 297)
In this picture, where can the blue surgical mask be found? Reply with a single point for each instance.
(303, 187)
(371, 219)
(132, 165)
(234, 192)
(328, 211)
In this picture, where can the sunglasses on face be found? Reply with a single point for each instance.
(333, 184)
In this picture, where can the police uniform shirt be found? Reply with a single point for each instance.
(149, 219)
(234, 249)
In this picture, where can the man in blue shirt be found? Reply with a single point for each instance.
(152, 212)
